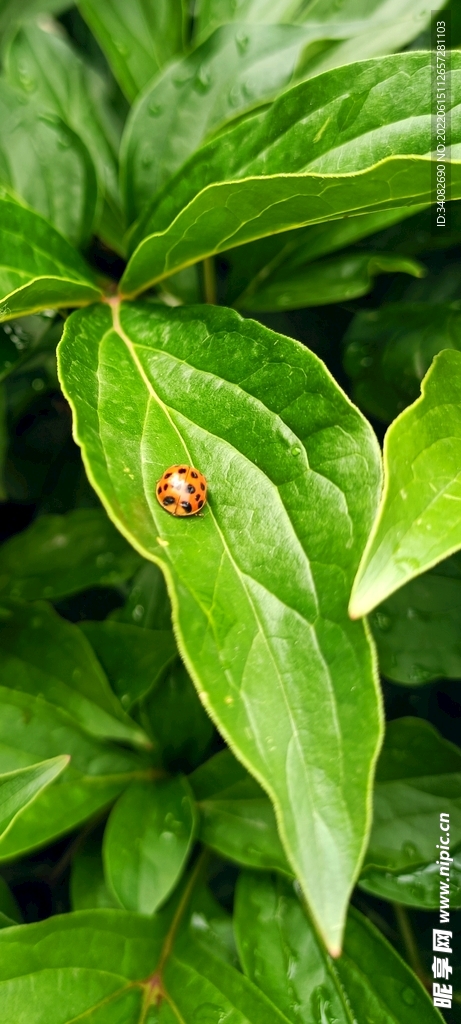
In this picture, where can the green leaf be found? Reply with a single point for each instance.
(147, 842)
(18, 789)
(9, 910)
(418, 776)
(32, 730)
(44, 655)
(349, 157)
(177, 722)
(417, 629)
(148, 604)
(134, 659)
(38, 268)
(236, 817)
(138, 38)
(389, 350)
(293, 470)
(22, 338)
(115, 967)
(337, 280)
(45, 66)
(418, 522)
(88, 889)
(234, 69)
(12, 11)
(42, 160)
(415, 887)
(60, 555)
(252, 267)
(281, 953)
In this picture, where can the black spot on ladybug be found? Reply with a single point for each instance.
(168, 501)
(194, 475)
(165, 487)
(182, 469)
(202, 486)
(186, 505)
(159, 491)
(200, 503)
(190, 489)
(167, 475)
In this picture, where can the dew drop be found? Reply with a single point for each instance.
(203, 79)
(296, 450)
(408, 996)
(155, 109)
(383, 621)
(209, 1013)
(122, 48)
(138, 612)
(242, 40)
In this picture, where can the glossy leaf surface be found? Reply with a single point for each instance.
(38, 268)
(236, 817)
(417, 630)
(147, 605)
(88, 889)
(138, 38)
(60, 555)
(281, 953)
(20, 788)
(135, 659)
(44, 655)
(43, 162)
(176, 721)
(318, 284)
(389, 350)
(418, 522)
(234, 69)
(286, 456)
(147, 841)
(43, 65)
(344, 155)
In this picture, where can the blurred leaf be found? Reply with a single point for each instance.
(236, 817)
(148, 605)
(32, 730)
(44, 655)
(134, 659)
(147, 842)
(47, 165)
(234, 69)
(138, 38)
(281, 953)
(46, 67)
(389, 350)
(418, 629)
(253, 266)
(13, 11)
(360, 124)
(292, 467)
(88, 889)
(38, 268)
(60, 555)
(21, 339)
(9, 910)
(176, 720)
(337, 280)
(418, 522)
(418, 774)
(19, 789)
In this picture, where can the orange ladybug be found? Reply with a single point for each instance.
(181, 490)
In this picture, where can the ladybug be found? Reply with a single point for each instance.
(181, 490)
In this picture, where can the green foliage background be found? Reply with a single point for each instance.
(226, 740)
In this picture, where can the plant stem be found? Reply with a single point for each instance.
(209, 281)
(409, 942)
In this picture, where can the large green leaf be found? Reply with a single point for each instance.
(33, 730)
(44, 655)
(38, 268)
(418, 522)
(355, 140)
(388, 351)
(235, 68)
(116, 967)
(18, 789)
(60, 555)
(147, 842)
(147, 605)
(45, 163)
(417, 630)
(236, 817)
(281, 953)
(135, 659)
(418, 774)
(258, 606)
(138, 38)
(87, 887)
(45, 66)
(336, 280)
